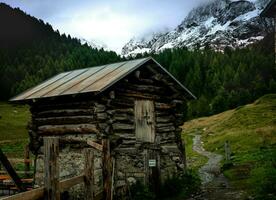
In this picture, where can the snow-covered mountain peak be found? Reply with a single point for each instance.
(219, 23)
(94, 44)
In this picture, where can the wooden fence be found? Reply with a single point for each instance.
(52, 186)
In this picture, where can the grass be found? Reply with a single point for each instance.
(194, 160)
(251, 131)
(13, 129)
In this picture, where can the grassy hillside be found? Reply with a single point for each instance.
(251, 131)
(13, 131)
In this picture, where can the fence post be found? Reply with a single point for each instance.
(227, 151)
(27, 160)
(51, 168)
(89, 174)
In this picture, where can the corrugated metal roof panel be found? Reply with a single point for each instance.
(95, 79)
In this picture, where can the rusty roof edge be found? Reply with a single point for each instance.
(177, 81)
(143, 61)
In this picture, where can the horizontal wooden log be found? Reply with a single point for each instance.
(67, 129)
(160, 125)
(68, 112)
(165, 129)
(123, 117)
(32, 194)
(115, 103)
(63, 120)
(64, 185)
(150, 89)
(163, 106)
(126, 136)
(123, 110)
(88, 104)
(140, 95)
(102, 116)
(163, 113)
(120, 126)
(165, 119)
(99, 108)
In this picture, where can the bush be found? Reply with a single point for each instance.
(177, 186)
(263, 182)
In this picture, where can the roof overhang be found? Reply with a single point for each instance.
(71, 82)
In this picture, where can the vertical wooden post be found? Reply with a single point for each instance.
(146, 167)
(27, 159)
(227, 151)
(89, 174)
(51, 168)
(107, 168)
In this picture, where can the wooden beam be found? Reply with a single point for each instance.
(32, 194)
(107, 168)
(89, 174)
(51, 168)
(95, 145)
(7, 165)
(70, 182)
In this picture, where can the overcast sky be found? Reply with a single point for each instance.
(113, 22)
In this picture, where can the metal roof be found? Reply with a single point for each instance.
(94, 79)
(269, 10)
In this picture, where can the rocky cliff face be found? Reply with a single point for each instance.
(220, 23)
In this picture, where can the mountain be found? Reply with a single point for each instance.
(217, 24)
(31, 51)
(94, 44)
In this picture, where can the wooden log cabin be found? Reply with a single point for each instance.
(135, 107)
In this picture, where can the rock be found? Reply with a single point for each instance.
(131, 180)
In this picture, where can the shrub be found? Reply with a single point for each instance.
(176, 186)
(263, 182)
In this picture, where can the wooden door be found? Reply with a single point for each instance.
(144, 121)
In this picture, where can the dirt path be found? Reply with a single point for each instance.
(214, 184)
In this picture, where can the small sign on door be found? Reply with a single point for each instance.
(152, 163)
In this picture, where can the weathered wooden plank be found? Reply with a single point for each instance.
(89, 174)
(107, 169)
(65, 129)
(160, 125)
(51, 168)
(121, 126)
(123, 110)
(64, 120)
(165, 129)
(29, 195)
(165, 119)
(70, 182)
(95, 145)
(67, 112)
(144, 120)
(163, 106)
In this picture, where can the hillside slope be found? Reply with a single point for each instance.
(251, 131)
